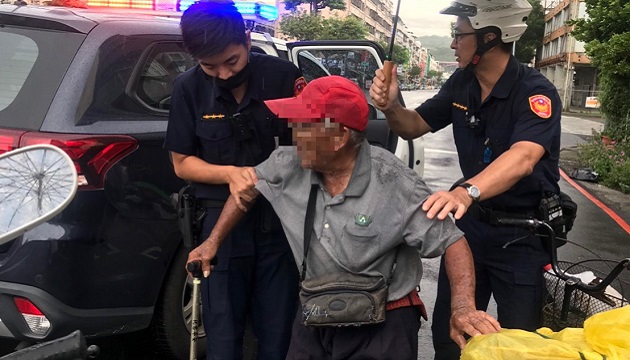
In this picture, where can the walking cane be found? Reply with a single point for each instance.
(388, 65)
(194, 267)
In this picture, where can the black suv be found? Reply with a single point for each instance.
(97, 84)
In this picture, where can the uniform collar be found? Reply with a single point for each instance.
(360, 178)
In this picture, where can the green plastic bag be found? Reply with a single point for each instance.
(604, 334)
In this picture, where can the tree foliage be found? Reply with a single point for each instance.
(531, 41)
(414, 72)
(302, 26)
(315, 5)
(306, 26)
(435, 74)
(348, 28)
(607, 36)
(400, 55)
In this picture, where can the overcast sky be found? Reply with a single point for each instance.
(422, 17)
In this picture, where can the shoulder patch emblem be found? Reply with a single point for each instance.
(540, 105)
(299, 85)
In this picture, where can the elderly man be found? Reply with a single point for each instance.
(367, 220)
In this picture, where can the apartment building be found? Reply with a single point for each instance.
(376, 14)
(563, 60)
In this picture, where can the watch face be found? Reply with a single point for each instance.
(474, 192)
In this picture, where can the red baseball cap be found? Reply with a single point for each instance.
(333, 97)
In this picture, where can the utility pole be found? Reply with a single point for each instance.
(569, 48)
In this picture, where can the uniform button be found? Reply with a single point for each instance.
(327, 206)
(326, 226)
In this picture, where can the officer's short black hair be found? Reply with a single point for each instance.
(209, 27)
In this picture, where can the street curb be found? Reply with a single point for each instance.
(614, 199)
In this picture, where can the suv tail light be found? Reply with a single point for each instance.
(36, 321)
(9, 139)
(93, 155)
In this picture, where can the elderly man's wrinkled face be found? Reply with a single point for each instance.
(316, 142)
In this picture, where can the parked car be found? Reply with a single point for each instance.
(97, 83)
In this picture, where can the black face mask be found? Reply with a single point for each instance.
(236, 80)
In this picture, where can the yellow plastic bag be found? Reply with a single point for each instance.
(510, 344)
(609, 333)
(604, 334)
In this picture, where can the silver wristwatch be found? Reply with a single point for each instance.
(472, 190)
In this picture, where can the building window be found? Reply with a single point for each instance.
(374, 15)
(358, 4)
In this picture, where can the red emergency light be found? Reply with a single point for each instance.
(131, 4)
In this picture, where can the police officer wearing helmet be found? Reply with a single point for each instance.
(218, 123)
(506, 126)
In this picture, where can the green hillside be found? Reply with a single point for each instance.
(439, 47)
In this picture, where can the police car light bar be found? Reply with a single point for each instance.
(250, 10)
(130, 4)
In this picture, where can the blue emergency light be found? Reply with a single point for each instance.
(249, 10)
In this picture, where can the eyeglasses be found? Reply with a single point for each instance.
(458, 36)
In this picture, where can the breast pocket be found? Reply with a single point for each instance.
(217, 141)
(499, 140)
(359, 246)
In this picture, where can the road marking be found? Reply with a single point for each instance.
(613, 215)
(439, 151)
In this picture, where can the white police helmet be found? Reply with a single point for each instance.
(507, 15)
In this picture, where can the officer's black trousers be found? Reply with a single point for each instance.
(256, 276)
(513, 275)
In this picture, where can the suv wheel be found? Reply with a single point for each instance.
(173, 313)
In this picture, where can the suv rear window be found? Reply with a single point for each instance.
(32, 64)
(17, 58)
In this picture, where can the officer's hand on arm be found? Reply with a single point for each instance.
(230, 216)
(242, 181)
(465, 318)
(442, 203)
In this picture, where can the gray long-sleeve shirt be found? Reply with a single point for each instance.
(358, 230)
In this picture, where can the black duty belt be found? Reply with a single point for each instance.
(491, 216)
(208, 203)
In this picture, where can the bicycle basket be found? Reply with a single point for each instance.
(581, 305)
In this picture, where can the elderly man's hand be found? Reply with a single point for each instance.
(442, 203)
(471, 322)
(204, 253)
(242, 181)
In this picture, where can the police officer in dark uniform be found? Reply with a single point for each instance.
(218, 123)
(506, 126)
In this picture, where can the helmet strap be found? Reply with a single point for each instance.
(482, 48)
